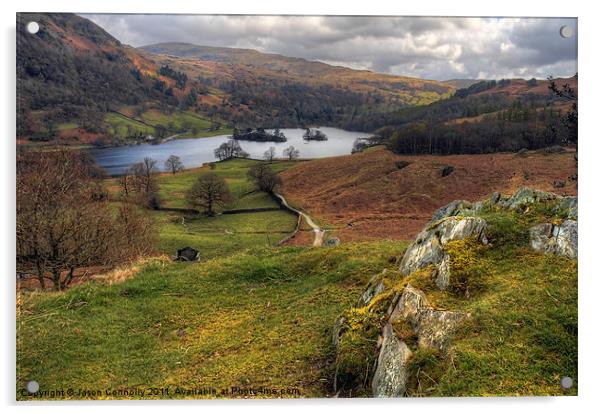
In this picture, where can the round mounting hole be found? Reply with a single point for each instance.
(33, 387)
(33, 27)
(566, 31)
(566, 382)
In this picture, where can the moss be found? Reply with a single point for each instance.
(467, 266)
(425, 367)
(404, 331)
(357, 351)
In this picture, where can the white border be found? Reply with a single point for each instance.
(590, 165)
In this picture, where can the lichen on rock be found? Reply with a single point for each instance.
(391, 374)
(556, 239)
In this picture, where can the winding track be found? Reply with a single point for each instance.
(318, 232)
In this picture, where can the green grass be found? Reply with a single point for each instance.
(173, 187)
(258, 318)
(119, 125)
(223, 235)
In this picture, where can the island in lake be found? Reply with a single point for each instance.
(259, 135)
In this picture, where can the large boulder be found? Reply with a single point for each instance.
(551, 238)
(391, 374)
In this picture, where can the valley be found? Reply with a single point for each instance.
(223, 222)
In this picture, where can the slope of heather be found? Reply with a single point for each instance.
(365, 196)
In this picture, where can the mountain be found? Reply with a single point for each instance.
(77, 83)
(461, 83)
(401, 89)
(73, 71)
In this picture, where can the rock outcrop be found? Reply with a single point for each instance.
(409, 322)
(432, 327)
(525, 196)
(557, 239)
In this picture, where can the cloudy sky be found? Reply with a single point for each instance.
(426, 47)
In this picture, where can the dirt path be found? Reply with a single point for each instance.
(318, 232)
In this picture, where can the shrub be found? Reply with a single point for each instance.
(401, 164)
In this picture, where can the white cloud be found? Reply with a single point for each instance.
(435, 48)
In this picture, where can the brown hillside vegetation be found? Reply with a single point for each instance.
(365, 196)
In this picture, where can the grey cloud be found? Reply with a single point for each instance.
(427, 47)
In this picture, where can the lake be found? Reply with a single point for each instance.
(196, 151)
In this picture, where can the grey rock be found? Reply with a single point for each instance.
(525, 196)
(459, 228)
(391, 374)
(560, 240)
(428, 248)
(443, 273)
(447, 170)
(570, 204)
(451, 209)
(424, 251)
(409, 305)
(376, 286)
(435, 328)
(494, 198)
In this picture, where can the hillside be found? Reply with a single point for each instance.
(483, 302)
(254, 320)
(366, 196)
(78, 84)
(394, 89)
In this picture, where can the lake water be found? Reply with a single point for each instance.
(197, 151)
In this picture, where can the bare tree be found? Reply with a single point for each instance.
(174, 164)
(291, 153)
(208, 192)
(143, 183)
(270, 154)
(264, 177)
(61, 224)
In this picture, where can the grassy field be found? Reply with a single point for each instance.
(252, 315)
(120, 125)
(258, 318)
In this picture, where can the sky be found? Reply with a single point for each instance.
(438, 48)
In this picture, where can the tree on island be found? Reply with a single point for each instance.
(208, 193)
(314, 135)
(259, 135)
(291, 153)
(270, 154)
(264, 177)
(174, 164)
(230, 149)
